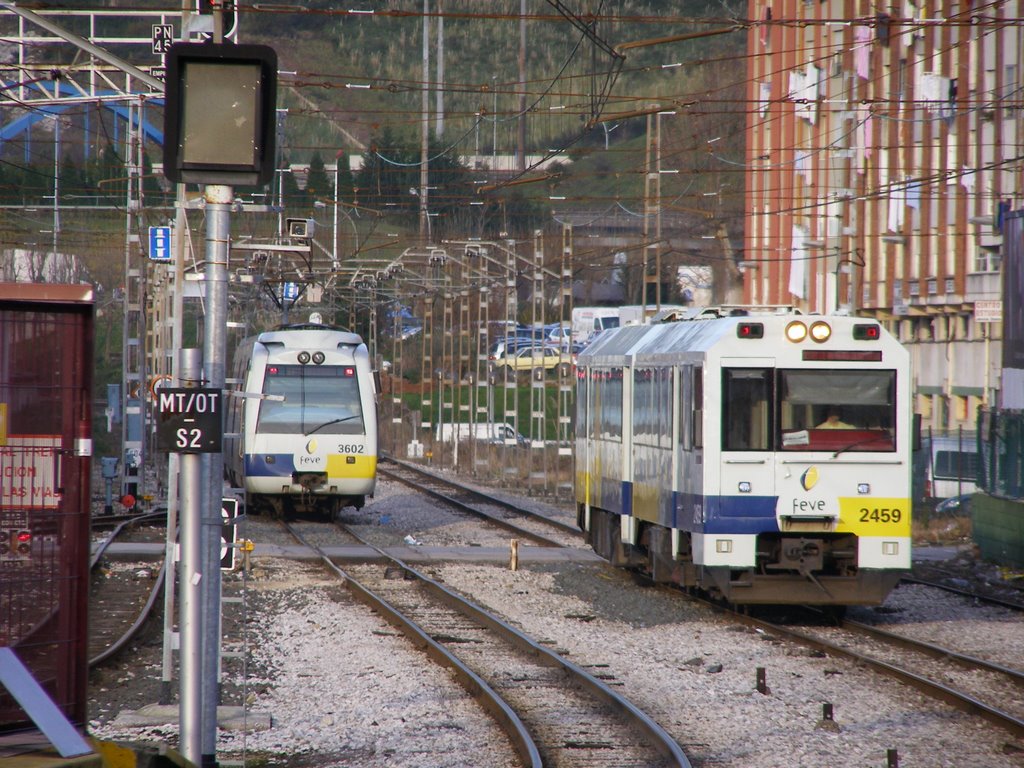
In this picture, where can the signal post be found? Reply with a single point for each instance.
(218, 132)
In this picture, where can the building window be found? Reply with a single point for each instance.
(987, 260)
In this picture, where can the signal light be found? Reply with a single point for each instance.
(750, 331)
(22, 541)
(867, 332)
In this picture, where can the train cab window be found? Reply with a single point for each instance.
(746, 409)
(321, 400)
(834, 410)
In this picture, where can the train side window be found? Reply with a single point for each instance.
(611, 414)
(698, 407)
(746, 411)
(606, 404)
(685, 414)
(582, 404)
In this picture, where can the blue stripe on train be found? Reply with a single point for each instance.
(256, 465)
(740, 514)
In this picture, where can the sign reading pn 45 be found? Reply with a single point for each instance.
(189, 420)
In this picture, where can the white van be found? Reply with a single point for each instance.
(588, 322)
(495, 432)
(945, 467)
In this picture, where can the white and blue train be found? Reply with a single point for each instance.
(305, 420)
(761, 456)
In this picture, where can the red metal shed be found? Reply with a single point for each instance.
(46, 349)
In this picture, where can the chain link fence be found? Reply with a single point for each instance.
(1001, 445)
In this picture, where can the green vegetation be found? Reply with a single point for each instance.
(359, 80)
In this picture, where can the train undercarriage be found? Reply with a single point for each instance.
(302, 505)
(811, 570)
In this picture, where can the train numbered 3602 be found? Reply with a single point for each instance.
(302, 431)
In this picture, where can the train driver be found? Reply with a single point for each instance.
(834, 421)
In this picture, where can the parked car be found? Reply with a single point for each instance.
(560, 335)
(530, 357)
(955, 506)
(501, 347)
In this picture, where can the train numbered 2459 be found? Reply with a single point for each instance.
(302, 431)
(761, 456)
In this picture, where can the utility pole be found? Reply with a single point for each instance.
(439, 101)
(56, 182)
(219, 198)
(425, 125)
(521, 148)
(191, 619)
(652, 213)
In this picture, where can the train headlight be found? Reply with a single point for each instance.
(318, 358)
(863, 488)
(744, 487)
(820, 331)
(796, 331)
(303, 357)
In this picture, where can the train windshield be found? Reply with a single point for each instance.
(322, 399)
(808, 410)
(837, 410)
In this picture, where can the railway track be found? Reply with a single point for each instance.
(983, 688)
(989, 599)
(979, 687)
(553, 711)
(524, 523)
(122, 595)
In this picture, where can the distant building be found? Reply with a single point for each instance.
(22, 265)
(883, 153)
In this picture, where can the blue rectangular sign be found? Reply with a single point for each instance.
(160, 243)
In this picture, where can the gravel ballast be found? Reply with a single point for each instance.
(343, 688)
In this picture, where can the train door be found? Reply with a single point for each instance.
(746, 501)
(689, 468)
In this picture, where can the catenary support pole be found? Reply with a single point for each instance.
(218, 235)
(192, 498)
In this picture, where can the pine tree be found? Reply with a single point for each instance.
(318, 186)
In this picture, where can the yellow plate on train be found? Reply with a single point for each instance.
(874, 516)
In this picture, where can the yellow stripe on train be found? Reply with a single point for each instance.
(351, 465)
(874, 516)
